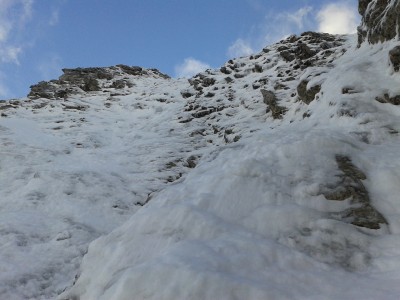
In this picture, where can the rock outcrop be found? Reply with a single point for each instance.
(380, 20)
(75, 81)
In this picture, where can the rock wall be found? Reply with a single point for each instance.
(380, 20)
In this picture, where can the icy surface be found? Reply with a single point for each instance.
(250, 221)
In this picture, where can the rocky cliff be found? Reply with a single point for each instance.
(380, 20)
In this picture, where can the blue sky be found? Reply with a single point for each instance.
(179, 37)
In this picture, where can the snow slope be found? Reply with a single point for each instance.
(252, 220)
(207, 189)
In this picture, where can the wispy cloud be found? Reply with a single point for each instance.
(20, 27)
(14, 14)
(275, 27)
(190, 67)
(338, 18)
(240, 48)
(55, 12)
(55, 17)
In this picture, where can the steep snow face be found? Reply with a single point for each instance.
(73, 169)
(303, 206)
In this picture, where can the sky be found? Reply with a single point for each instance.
(179, 37)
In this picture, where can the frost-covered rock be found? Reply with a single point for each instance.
(380, 20)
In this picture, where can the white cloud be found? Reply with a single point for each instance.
(190, 67)
(338, 18)
(14, 14)
(240, 48)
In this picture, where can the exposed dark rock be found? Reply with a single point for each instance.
(287, 55)
(380, 20)
(209, 95)
(186, 94)
(257, 68)
(90, 85)
(270, 99)
(394, 56)
(395, 100)
(118, 84)
(228, 79)
(307, 95)
(162, 75)
(43, 89)
(225, 70)
(200, 81)
(361, 213)
(73, 107)
(131, 70)
(303, 51)
(238, 75)
(191, 162)
(206, 111)
(349, 90)
(78, 75)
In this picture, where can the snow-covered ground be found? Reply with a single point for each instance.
(252, 220)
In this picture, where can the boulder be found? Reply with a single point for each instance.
(361, 213)
(271, 101)
(307, 95)
(394, 56)
(395, 100)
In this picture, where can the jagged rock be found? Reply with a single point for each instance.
(228, 79)
(287, 55)
(307, 94)
(118, 84)
(387, 99)
(206, 111)
(186, 94)
(162, 75)
(78, 80)
(380, 20)
(131, 70)
(191, 162)
(394, 56)
(361, 213)
(43, 89)
(270, 99)
(78, 75)
(237, 75)
(90, 85)
(209, 95)
(225, 70)
(257, 68)
(303, 51)
(362, 6)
